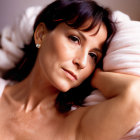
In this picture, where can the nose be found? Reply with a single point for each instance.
(81, 59)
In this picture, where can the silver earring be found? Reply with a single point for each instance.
(38, 46)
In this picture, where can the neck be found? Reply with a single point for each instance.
(35, 92)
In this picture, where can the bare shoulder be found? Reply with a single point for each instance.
(73, 122)
(76, 115)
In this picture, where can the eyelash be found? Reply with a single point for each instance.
(75, 39)
(93, 56)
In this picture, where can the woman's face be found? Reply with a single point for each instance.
(68, 56)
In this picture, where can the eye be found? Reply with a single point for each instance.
(93, 56)
(75, 39)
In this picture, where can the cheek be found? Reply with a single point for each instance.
(57, 48)
(87, 72)
(49, 53)
(91, 64)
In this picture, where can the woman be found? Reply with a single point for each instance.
(71, 37)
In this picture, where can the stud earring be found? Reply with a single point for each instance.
(38, 46)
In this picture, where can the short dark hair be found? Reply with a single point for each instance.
(74, 13)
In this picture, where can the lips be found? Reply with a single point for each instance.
(70, 74)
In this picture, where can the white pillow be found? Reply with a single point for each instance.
(123, 54)
(14, 37)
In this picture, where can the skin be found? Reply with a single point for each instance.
(27, 109)
(70, 50)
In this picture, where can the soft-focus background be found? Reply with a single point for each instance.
(10, 9)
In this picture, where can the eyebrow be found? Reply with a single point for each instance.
(81, 34)
(91, 34)
(97, 50)
(84, 36)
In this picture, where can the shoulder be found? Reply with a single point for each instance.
(73, 121)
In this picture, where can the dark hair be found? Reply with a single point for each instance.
(74, 13)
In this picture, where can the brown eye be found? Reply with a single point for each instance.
(75, 39)
(93, 56)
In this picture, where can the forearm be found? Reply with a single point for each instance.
(112, 84)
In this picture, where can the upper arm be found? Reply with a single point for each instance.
(108, 120)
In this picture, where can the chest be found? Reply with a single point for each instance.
(18, 126)
(14, 128)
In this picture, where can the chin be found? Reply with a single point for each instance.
(63, 86)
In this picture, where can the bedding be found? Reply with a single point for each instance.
(13, 38)
(123, 55)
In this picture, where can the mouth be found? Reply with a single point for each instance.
(72, 76)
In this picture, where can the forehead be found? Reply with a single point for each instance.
(97, 33)
(100, 28)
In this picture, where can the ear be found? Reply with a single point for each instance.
(40, 33)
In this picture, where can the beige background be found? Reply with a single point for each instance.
(10, 9)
